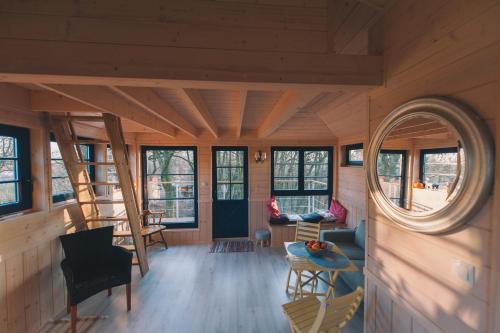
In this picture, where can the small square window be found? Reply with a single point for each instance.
(354, 154)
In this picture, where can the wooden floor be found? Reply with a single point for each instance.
(189, 290)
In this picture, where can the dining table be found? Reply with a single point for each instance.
(332, 263)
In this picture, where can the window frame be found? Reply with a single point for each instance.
(301, 191)
(347, 149)
(24, 181)
(404, 161)
(61, 197)
(424, 152)
(144, 176)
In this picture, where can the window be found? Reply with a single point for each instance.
(230, 174)
(301, 178)
(15, 169)
(170, 184)
(354, 154)
(111, 175)
(61, 186)
(391, 167)
(438, 167)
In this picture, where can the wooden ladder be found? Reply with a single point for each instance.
(76, 166)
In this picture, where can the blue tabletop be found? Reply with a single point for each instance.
(331, 260)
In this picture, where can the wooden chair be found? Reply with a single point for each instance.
(304, 231)
(152, 225)
(330, 315)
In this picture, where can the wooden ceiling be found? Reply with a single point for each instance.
(251, 68)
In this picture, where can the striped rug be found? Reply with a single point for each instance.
(227, 246)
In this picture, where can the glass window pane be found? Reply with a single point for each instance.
(170, 187)
(170, 161)
(8, 147)
(61, 185)
(223, 191)
(8, 170)
(356, 155)
(312, 157)
(302, 204)
(237, 191)
(389, 164)
(286, 170)
(440, 169)
(8, 193)
(286, 184)
(175, 211)
(58, 169)
(316, 183)
(237, 175)
(316, 170)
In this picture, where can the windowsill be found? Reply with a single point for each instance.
(182, 229)
(60, 204)
(12, 216)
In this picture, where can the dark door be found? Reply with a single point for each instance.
(229, 192)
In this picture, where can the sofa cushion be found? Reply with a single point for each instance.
(359, 237)
(352, 251)
(281, 219)
(311, 217)
(354, 279)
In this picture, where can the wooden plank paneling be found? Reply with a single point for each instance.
(15, 294)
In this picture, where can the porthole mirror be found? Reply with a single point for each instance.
(430, 165)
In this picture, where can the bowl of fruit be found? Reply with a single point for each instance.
(316, 248)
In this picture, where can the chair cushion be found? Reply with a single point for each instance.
(311, 217)
(352, 251)
(354, 279)
(262, 234)
(359, 237)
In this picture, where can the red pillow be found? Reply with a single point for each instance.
(272, 207)
(338, 210)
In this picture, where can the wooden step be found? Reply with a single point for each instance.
(99, 183)
(102, 202)
(96, 163)
(107, 218)
(91, 141)
(130, 247)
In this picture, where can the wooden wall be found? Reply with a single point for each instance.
(449, 48)
(351, 186)
(32, 287)
(258, 174)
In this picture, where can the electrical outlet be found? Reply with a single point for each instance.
(465, 272)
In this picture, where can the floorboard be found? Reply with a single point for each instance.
(190, 290)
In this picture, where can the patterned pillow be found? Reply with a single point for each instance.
(272, 207)
(338, 210)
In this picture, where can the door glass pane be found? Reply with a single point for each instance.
(223, 191)
(223, 158)
(236, 175)
(223, 175)
(237, 191)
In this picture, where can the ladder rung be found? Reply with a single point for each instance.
(96, 163)
(107, 218)
(102, 202)
(91, 141)
(86, 118)
(129, 247)
(98, 183)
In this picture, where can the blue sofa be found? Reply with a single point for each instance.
(352, 243)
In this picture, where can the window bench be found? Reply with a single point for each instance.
(286, 232)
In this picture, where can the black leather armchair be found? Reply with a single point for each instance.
(93, 264)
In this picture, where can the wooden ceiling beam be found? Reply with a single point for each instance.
(105, 100)
(49, 101)
(194, 98)
(149, 100)
(127, 65)
(241, 111)
(285, 108)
